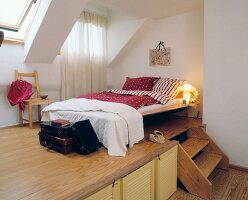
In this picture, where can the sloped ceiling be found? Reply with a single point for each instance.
(155, 9)
(57, 17)
(53, 22)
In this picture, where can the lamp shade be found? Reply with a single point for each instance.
(187, 87)
(1, 37)
(190, 93)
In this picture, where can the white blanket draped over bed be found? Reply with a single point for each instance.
(115, 124)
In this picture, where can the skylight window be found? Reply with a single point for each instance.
(16, 16)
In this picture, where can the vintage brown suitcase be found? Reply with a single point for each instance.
(61, 145)
(61, 132)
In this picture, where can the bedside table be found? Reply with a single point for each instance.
(194, 110)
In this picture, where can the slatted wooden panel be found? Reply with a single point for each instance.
(108, 193)
(139, 185)
(166, 174)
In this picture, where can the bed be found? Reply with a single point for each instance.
(117, 115)
(173, 105)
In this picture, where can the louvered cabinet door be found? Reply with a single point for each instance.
(111, 192)
(166, 174)
(139, 185)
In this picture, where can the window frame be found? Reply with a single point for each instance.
(11, 27)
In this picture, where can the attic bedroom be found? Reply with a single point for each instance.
(135, 99)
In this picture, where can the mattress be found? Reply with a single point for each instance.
(172, 102)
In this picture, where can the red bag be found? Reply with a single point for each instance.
(20, 90)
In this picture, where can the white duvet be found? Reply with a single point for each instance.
(115, 124)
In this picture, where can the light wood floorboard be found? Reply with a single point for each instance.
(29, 171)
(18, 144)
(227, 185)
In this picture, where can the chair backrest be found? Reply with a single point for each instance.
(34, 75)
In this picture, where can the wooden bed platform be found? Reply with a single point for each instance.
(166, 109)
(29, 171)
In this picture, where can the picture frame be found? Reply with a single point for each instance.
(160, 57)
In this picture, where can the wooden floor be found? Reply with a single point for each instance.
(29, 171)
(227, 185)
(19, 174)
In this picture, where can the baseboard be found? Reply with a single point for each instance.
(17, 125)
(237, 167)
(10, 126)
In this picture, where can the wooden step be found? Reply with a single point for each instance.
(171, 127)
(207, 162)
(194, 145)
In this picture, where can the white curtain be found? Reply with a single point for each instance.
(83, 57)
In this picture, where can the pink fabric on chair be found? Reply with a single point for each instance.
(20, 90)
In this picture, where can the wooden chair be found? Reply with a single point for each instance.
(33, 101)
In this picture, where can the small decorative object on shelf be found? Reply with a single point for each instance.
(194, 97)
(43, 96)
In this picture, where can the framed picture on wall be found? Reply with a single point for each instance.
(160, 57)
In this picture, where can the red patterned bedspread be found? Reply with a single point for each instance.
(131, 100)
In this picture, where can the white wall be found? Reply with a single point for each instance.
(121, 27)
(183, 33)
(226, 72)
(11, 58)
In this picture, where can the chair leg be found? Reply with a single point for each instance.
(30, 115)
(20, 116)
(39, 113)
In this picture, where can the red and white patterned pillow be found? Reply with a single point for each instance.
(168, 86)
(142, 83)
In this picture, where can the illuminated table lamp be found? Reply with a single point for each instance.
(188, 90)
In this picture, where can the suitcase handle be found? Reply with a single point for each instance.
(47, 144)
